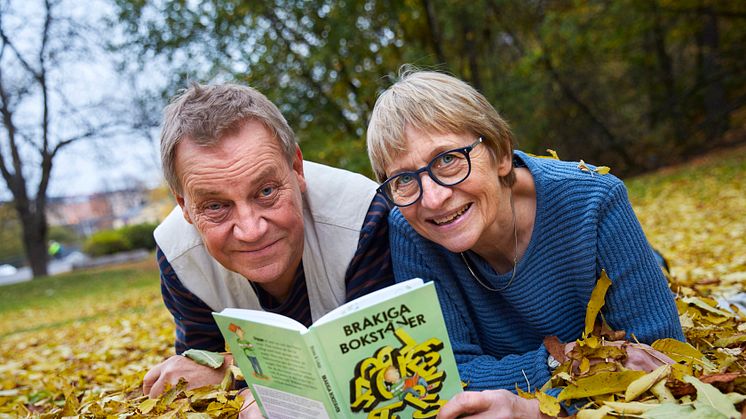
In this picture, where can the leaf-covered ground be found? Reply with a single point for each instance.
(79, 344)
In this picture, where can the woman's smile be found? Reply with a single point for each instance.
(451, 217)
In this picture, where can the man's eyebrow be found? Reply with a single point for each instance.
(265, 172)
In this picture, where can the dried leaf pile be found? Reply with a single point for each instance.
(87, 357)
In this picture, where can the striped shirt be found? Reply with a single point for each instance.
(369, 270)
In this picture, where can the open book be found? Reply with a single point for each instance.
(383, 355)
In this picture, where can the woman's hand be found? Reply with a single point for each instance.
(249, 409)
(490, 404)
(640, 357)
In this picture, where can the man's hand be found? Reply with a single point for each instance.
(490, 404)
(177, 366)
(249, 409)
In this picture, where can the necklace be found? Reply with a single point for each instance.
(515, 255)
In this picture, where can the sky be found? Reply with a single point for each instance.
(89, 82)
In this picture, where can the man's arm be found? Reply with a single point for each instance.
(370, 268)
(195, 328)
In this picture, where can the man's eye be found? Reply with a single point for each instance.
(265, 192)
(213, 206)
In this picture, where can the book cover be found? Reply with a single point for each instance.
(383, 355)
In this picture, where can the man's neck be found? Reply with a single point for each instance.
(280, 288)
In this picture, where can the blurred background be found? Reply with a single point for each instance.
(632, 84)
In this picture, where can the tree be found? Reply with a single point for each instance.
(41, 116)
(634, 84)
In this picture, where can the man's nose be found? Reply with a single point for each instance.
(249, 225)
(433, 194)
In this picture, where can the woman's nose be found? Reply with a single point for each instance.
(433, 194)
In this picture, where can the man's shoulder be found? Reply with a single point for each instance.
(175, 235)
(337, 197)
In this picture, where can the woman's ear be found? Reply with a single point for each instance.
(505, 165)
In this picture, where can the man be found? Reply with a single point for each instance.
(256, 226)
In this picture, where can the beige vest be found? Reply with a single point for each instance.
(334, 207)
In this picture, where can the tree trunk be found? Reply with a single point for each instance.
(34, 237)
(715, 103)
(669, 104)
(434, 29)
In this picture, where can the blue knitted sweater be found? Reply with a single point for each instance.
(584, 223)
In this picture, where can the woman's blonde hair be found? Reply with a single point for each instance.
(433, 102)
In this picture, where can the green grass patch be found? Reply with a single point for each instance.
(67, 290)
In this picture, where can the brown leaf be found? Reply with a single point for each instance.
(555, 348)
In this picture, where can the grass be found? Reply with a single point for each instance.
(66, 288)
(75, 296)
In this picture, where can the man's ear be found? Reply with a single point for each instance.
(182, 204)
(298, 169)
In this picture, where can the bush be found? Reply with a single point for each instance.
(140, 236)
(106, 242)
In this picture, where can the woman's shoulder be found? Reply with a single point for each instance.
(567, 174)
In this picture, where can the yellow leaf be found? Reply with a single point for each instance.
(644, 383)
(524, 394)
(630, 408)
(661, 392)
(146, 406)
(594, 413)
(682, 352)
(679, 371)
(602, 170)
(596, 302)
(553, 154)
(600, 383)
(547, 404)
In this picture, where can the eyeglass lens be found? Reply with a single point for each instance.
(447, 169)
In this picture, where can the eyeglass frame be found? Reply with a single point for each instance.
(428, 168)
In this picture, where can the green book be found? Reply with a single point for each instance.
(383, 355)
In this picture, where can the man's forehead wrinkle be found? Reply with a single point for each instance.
(266, 169)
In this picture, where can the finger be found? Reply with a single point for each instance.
(150, 378)
(249, 408)
(468, 402)
(158, 387)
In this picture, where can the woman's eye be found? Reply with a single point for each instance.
(447, 159)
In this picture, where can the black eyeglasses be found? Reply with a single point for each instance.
(448, 168)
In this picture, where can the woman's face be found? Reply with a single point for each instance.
(459, 217)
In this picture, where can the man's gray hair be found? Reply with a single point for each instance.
(204, 114)
(433, 102)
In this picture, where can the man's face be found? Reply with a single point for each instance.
(245, 201)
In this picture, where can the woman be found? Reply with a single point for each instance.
(514, 243)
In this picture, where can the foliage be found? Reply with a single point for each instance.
(64, 235)
(80, 343)
(635, 84)
(106, 242)
(130, 237)
(139, 236)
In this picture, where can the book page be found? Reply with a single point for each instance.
(391, 358)
(369, 299)
(275, 358)
(258, 316)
